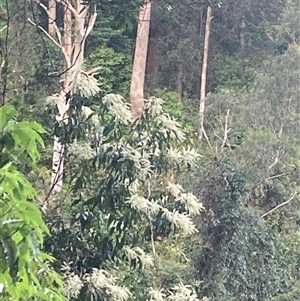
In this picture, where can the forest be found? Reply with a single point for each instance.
(150, 150)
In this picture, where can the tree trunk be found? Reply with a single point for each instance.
(204, 73)
(139, 62)
(242, 35)
(51, 16)
(73, 50)
(68, 30)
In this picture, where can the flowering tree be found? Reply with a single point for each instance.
(125, 195)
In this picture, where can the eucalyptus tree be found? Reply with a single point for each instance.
(79, 19)
(120, 174)
(140, 59)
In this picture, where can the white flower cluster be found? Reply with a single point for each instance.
(118, 107)
(101, 279)
(154, 105)
(86, 85)
(98, 280)
(194, 206)
(179, 292)
(142, 204)
(182, 221)
(168, 126)
(140, 160)
(81, 150)
(138, 253)
(87, 112)
(72, 286)
(186, 156)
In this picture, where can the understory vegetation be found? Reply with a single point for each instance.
(147, 209)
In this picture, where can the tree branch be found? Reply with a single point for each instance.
(68, 5)
(296, 192)
(275, 161)
(45, 32)
(43, 7)
(226, 131)
(59, 37)
(3, 28)
(93, 71)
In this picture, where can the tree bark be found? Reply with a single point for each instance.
(204, 73)
(242, 35)
(51, 16)
(139, 62)
(68, 30)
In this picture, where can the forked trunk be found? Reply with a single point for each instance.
(76, 29)
(139, 62)
(204, 73)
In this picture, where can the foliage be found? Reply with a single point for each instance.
(25, 270)
(120, 233)
(262, 126)
(111, 63)
(238, 261)
(236, 73)
(183, 111)
(120, 189)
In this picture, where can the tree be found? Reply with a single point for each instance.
(72, 47)
(139, 62)
(204, 72)
(122, 199)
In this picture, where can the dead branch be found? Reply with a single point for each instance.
(296, 192)
(276, 176)
(3, 28)
(226, 131)
(205, 135)
(93, 71)
(45, 32)
(275, 161)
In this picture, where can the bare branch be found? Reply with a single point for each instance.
(3, 28)
(93, 71)
(45, 32)
(44, 7)
(68, 5)
(91, 24)
(226, 131)
(275, 177)
(205, 135)
(275, 161)
(296, 192)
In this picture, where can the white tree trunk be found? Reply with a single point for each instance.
(139, 62)
(73, 49)
(204, 73)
